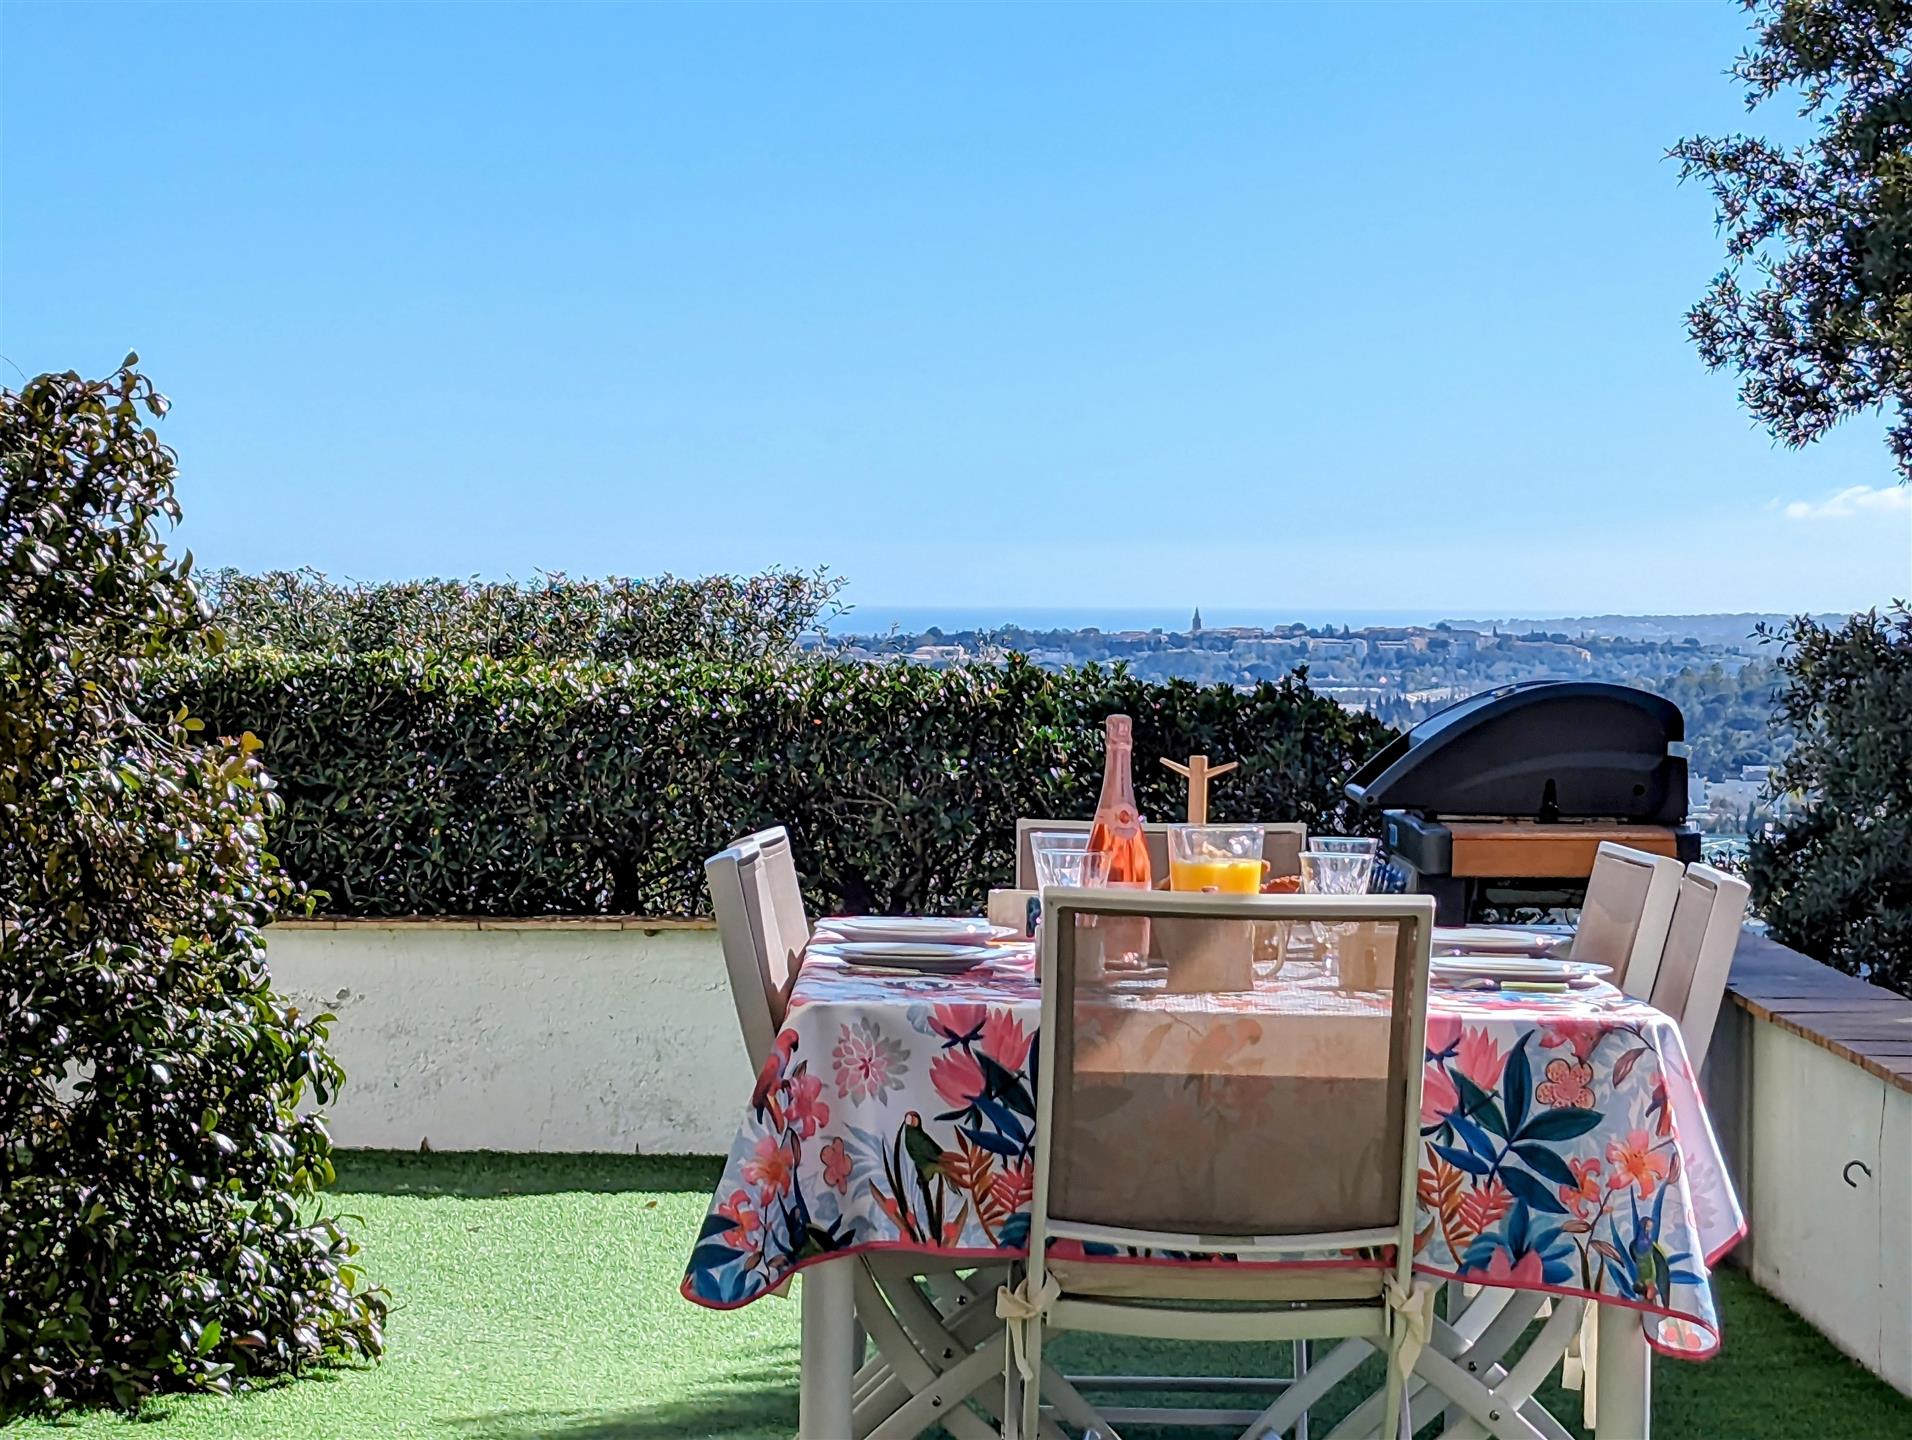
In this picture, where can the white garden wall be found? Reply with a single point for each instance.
(597, 1035)
(1807, 1085)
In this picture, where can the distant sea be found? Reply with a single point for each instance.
(873, 619)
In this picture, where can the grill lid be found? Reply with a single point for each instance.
(1545, 750)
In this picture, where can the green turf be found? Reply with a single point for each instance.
(537, 1296)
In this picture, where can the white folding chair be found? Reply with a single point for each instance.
(1628, 907)
(1691, 982)
(931, 1351)
(1623, 924)
(1281, 846)
(762, 929)
(1276, 1142)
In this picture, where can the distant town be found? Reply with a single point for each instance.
(1713, 666)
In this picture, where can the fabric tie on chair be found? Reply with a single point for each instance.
(1018, 1307)
(1413, 1307)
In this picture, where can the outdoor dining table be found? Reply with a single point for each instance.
(1565, 1150)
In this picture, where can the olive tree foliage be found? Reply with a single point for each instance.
(160, 1221)
(1814, 307)
(1835, 881)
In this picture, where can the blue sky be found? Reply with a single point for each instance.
(1299, 306)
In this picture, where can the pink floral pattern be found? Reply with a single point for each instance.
(1564, 1143)
(1568, 1083)
(1635, 1163)
(867, 1063)
(836, 1166)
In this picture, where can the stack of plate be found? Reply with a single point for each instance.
(932, 944)
(1498, 940)
(1468, 971)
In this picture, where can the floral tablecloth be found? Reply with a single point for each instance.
(1565, 1147)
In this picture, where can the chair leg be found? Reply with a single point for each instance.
(1324, 1373)
(1031, 1417)
(1298, 1371)
(1501, 1402)
(911, 1369)
(1506, 1323)
(940, 1401)
(1458, 1307)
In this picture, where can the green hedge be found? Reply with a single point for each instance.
(552, 618)
(420, 787)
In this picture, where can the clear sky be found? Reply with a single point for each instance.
(1310, 307)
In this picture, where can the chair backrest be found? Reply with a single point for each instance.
(1699, 952)
(762, 928)
(1624, 919)
(1283, 1119)
(1281, 846)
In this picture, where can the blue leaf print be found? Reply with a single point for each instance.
(1517, 1084)
(1463, 1160)
(1531, 1191)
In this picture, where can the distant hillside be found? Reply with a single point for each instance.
(1734, 630)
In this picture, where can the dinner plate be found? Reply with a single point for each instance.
(1496, 940)
(910, 955)
(1535, 969)
(916, 929)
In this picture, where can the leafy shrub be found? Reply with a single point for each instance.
(422, 786)
(157, 1219)
(718, 617)
(1836, 880)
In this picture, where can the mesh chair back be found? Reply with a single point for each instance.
(762, 927)
(1699, 952)
(1281, 846)
(1624, 920)
(1281, 1110)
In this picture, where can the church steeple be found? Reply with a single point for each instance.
(1195, 625)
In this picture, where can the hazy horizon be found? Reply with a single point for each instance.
(874, 618)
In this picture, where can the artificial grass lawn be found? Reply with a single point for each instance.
(537, 1296)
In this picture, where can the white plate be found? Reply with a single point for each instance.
(904, 955)
(1496, 940)
(918, 929)
(1533, 968)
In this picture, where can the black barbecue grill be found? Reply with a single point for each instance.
(1502, 799)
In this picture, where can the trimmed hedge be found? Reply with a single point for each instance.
(552, 618)
(415, 786)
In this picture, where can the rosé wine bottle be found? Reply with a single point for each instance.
(1117, 832)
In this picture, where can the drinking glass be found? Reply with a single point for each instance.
(1226, 858)
(1329, 872)
(1045, 843)
(1074, 869)
(1059, 839)
(1345, 845)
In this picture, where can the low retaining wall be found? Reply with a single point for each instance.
(554, 1035)
(1810, 1084)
